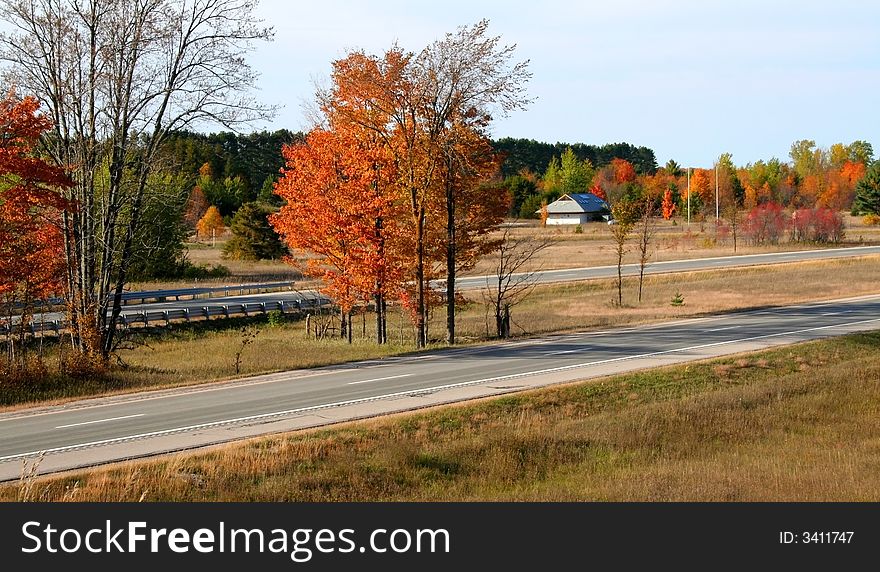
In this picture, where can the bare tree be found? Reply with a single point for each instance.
(508, 285)
(118, 77)
(647, 228)
(732, 215)
(467, 75)
(623, 218)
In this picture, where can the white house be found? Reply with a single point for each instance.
(577, 208)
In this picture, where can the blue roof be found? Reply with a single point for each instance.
(578, 203)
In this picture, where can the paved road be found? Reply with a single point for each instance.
(102, 430)
(596, 272)
(544, 277)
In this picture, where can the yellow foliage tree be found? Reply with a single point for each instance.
(210, 225)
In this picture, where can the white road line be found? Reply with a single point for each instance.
(412, 392)
(380, 379)
(564, 352)
(101, 421)
(723, 329)
(280, 377)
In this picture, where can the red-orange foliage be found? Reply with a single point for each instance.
(599, 191)
(668, 205)
(624, 172)
(31, 255)
(701, 185)
(853, 172)
(765, 223)
(196, 207)
(340, 206)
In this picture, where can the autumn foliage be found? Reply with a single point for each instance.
(341, 205)
(624, 172)
(31, 253)
(668, 206)
(765, 224)
(211, 224)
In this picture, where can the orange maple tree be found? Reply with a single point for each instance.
(31, 254)
(624, 172)
(340, 205)
(701, 185)
(597, 190)
(668, 205)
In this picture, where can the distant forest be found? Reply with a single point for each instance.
(256, 157)
(535, 156)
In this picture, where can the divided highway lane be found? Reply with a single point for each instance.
(104, 430)
(543, 277)
(598, 272)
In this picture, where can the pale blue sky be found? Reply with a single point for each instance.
(689, 79)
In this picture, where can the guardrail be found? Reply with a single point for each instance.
(142, 296)
(129, 298)
(165, 317)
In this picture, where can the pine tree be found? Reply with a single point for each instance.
(868, 192)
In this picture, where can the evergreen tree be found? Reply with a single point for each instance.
(868, 192)
(252, 236)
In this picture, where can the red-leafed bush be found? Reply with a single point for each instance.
(765, 224)
(820, 225)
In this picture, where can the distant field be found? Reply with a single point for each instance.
(592, 247)
(205, 351)
(799, 423)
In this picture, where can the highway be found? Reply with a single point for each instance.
(195, 307)
(101, 430)
(716, 263)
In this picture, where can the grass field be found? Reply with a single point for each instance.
(800, 423)
(205, 352)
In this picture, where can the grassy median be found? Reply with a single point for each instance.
(794, 423)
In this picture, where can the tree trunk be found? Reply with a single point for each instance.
(450, 256)
(342, 323)
(641, 280)
(421, 322)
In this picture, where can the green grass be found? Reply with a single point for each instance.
(794, 423)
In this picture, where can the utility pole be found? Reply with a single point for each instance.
(716, 194)
(689, 196)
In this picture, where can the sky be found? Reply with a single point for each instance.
(689, 79)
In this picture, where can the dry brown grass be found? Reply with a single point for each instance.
(797, 423)
(589, 304)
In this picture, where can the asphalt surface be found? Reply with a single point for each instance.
(107, 429)
(597, 272)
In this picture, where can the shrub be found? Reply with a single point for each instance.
(765, 224)
(871, 219)
(275, 318)
(820, 225)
